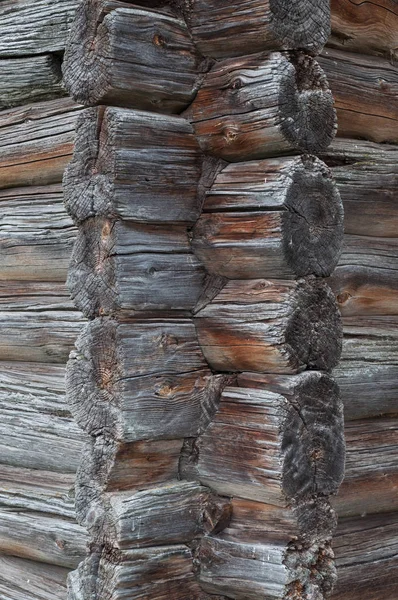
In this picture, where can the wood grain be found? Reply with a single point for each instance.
(21, 579)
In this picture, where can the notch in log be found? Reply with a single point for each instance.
(134, 165)
(264, 105)
(223, 28)
(271, 327)
(290, 224)
(141, 380)
(131, 56)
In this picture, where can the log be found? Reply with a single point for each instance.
(37, 322)
(35, 242)
(21, 579)
(264, 105)
(30, 79)
(290, 221)
(131, 56)
(367, 178)
(271, 327)
(372, 340)
(133, 165)
(288, 450)
(118, 266)
(367, 27)
(365, 94)
(36, 428)
(366, 553)
(141, 379)
(222, 28)
(253, 571)
(34, 26)
(36, 142)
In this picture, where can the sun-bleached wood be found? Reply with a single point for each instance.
(131, 56)
(268, 327)
(371, 340)
(21, 579)
(264, 105)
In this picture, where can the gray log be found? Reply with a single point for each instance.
(21, 579)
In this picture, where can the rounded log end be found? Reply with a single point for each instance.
(301, 24)
(312, 570)
(313, 226)
(306, 105)
(314, 331)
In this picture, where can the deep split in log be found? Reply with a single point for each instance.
(264, 105)
(275, 218)
(271, 327)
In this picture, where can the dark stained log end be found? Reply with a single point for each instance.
(302, 24)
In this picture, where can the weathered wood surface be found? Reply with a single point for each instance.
(34, 26)
(30, 79)
(264, 105)
(370, 340)
(36, 234)
(222, 28)
(141, 379)
(130, 56)
(36, 427)
(36, 142)
(38, 322)
(365, 91)
(289, 449)
(21, 579)
(118, 266)
(276, 218)
(135, 165)
(368, 27)
(268, 327)
(366, 558)
(253, 571)
(367, 178)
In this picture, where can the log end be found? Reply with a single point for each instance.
(303, 24)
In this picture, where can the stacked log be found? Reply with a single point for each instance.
(205, 228)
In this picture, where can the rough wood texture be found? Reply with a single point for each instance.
(31, 79)
(142, 379)
(271, 327)
(38, 322)
(365, 90)
(35, 419)
(222, 28)
(368, 27)
(36, 234)
(289, 224)
(135, 165)
(34, 26)
(291, 447)
(118, 266)
(21, 579)
(367, 178)
(371, 340)
(36, 142)
(129, 56)
(366, 553)
(264, 105)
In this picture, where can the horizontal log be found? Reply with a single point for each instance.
(36, 142)
(141, 380)
(118, 266)
(35, 242)
(264, 105)
(367, 179)
(134, 165)
(365, 93)
(21, 579)
(36, 428)
(252, 571)
(223, 28)
(34, 26)
(291, 222)
(38, 322)
(368, 27)
(372, 340)
(268, 327)
(130, 56)
(288, 450)
(366, 558)
(30, 79)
